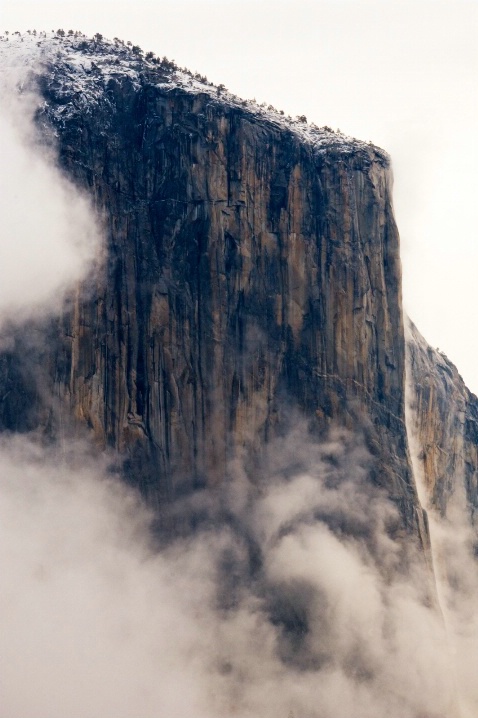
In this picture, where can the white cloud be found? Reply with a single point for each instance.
(260, 610)
(49, 235)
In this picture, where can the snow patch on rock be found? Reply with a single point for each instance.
(79, 70)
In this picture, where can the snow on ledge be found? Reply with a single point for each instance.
(80, 68)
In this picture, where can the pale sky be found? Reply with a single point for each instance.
(402, 74)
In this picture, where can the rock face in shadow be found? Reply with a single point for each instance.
(444, 418)
(252, 272)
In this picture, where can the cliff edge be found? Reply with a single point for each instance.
(252, 274)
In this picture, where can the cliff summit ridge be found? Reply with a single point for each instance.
(80, 71)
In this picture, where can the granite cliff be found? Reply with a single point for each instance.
(252, 274)
(444, 419)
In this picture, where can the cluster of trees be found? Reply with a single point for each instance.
(71, 33)
(57, 33)
(170, 65)
(299, 118)
(163, 62)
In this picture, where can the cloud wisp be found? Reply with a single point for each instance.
(50, 236)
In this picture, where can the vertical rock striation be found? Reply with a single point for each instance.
(252, 271)
(444, 416)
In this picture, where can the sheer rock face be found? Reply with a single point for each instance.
(252, 272)
(444, 418)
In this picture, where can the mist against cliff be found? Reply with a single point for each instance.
(288, 592)
(49, 235)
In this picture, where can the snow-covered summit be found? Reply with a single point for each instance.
(79, 69)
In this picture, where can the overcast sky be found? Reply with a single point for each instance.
(402, 74)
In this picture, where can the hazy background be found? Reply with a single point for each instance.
(402, 74)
